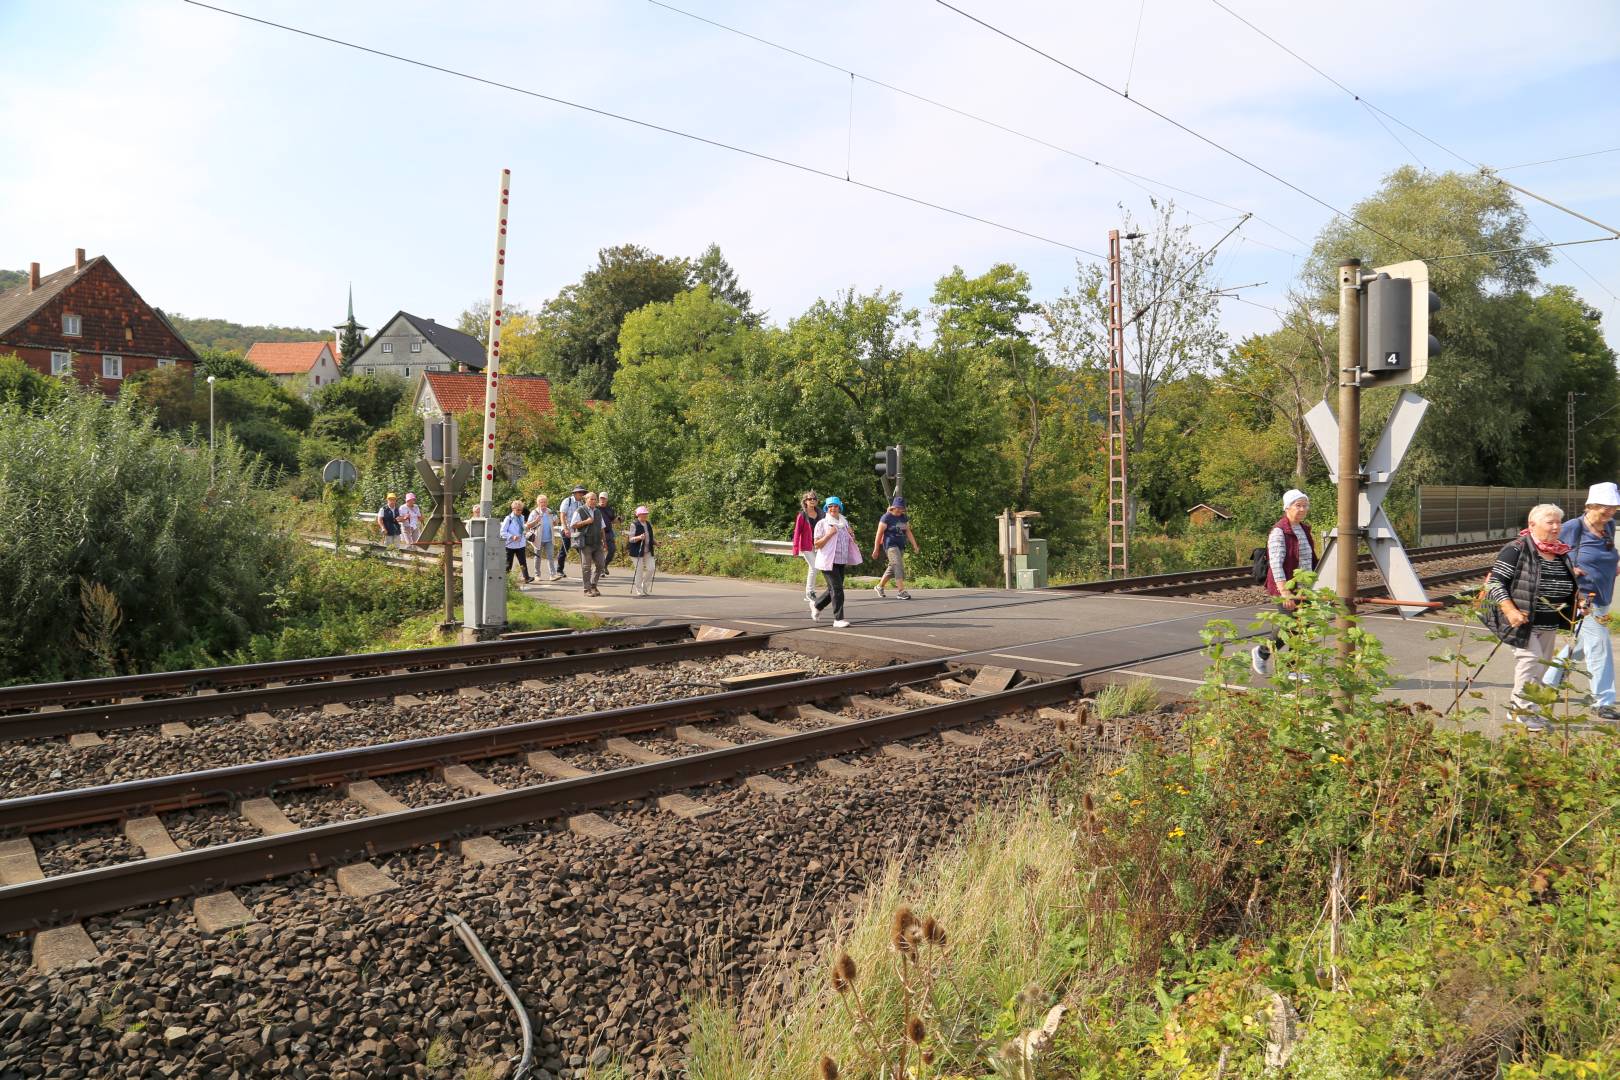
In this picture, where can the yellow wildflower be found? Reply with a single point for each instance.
(1177, 832)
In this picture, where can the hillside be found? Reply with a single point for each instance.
(8, 278)
(234, 337)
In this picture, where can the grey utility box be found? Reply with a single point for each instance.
(1029, 568)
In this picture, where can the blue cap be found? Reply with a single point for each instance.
(833, 500)
(898, 501)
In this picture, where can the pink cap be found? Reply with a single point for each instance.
(642, 510)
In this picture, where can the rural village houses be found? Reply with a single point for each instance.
(87, 322)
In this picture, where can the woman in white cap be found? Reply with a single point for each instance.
(1591, 549)
(1290, 549)
(641, 554)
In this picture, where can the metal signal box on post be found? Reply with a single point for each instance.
(1395, 307)
(886, 464)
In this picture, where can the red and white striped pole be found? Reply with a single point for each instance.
(492, 362)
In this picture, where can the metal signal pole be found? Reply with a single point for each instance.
(492, 365)
(1569, 474)
(1119, 552)
(1350, 478)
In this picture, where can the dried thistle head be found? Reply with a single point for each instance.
(1086, 801)
(932, 931)
(900, 930)
(927, 1057)
(828, 1069)
(915, 1031)
(843, 973)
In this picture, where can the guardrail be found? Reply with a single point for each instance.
(783, 548)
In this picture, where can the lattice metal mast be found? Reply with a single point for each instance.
(1119, 553)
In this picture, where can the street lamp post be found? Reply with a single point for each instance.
(210, 429)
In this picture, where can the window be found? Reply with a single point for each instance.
(416, 346)
(407, 373)
(165, 361)
(317, 380)
(388, 346)
(72, 326)
(61, 363)
(112, 367)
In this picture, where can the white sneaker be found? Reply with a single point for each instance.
(1260, 662)
(1298, 676)
(809, 596)
(879, 590)
(815, 612)
(839, 624)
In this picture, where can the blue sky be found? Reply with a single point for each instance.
(238, 171)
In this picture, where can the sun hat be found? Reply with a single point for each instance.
(601, 494)
(410, 496)
(391, 495)
(1292, 496)
(642, 510)
(579, 488)
(898, 501)
(833, 500)
(1603, 495)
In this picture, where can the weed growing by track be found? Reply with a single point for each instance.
(1292, 884)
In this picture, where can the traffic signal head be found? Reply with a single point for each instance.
(1395, 309)
(886, 463)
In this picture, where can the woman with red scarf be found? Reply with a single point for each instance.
(1530, 593)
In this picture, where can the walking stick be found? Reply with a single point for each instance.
(1470, 680)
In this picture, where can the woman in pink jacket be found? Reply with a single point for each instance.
(804, 540)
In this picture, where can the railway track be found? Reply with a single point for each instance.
(531, 658)
(1193, 582)
(571, 792)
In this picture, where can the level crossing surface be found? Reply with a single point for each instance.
(1049, 632)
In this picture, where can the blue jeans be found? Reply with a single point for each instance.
(1593, 650)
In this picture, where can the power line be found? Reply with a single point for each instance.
(1526, 247)
(649, 125)
(1376, 112)
(1123, 173)
(1177, 124)
(1192, 265)
(1567, 157)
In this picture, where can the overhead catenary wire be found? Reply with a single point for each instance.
(1228, 151)
(651, 126)
(1376, 111)
(1090, 159)
(1554, 161)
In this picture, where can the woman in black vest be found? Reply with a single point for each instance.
(1530, 593)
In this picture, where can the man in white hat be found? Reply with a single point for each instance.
(1290, 549)
(1591, 550)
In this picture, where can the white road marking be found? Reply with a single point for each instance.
(1034, 659)
(879, 637)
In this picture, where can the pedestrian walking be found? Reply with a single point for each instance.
(836, 549)
(804, 540)
(893, 534)
(541, 529)
(1530, 596)
(1591, 541)
(586, 524)
(641, 547)
(388, 520)
(565, 515)
(410, 520)
(1290, 549)
(512, 535)
(610, 539)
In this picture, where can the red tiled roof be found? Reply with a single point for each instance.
(286, 357)
(460, 391)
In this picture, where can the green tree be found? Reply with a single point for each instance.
(712, 269)
(226, 364)
(373, 398)
(580, 326)
(171, 394)
(221, 335)
(341, 425)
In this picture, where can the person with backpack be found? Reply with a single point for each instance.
(835, 549)
(1290, 549)
(1530, 595)
(641, 554)
(541, 529)
(565, 520)
(512, 526)
(586, 523)
(1591, 541)
(804, 539)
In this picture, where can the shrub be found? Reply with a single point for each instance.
(94, 493)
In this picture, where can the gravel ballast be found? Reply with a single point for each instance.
(36, 766)
(603, 939)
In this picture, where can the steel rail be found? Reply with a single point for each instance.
(1214, 578)
(270, 698)
(70, 897)
(109, 802)
(162, 682)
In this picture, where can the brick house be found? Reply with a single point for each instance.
(87, 321)
(301, 366)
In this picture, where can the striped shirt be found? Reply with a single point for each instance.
(1553, 594)
(1277, 551)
